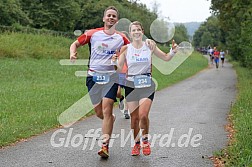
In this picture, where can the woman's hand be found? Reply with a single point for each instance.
(174, 46)
(173, 49)
(151, 44)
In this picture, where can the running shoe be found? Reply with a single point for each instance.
(126, 114)
(104, 153)
(136, 150)
(146, 148)
(121, 104)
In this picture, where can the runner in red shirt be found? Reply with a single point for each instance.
(216, 55)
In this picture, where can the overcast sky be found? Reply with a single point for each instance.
(182, 10)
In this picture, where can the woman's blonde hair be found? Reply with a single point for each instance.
(136, 23)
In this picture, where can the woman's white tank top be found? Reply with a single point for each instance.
(138, 60)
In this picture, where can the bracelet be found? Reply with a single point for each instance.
(114, 62)
(172, 53)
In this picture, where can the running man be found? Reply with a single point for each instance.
(211, 51)
(222, 56)
(102, 78)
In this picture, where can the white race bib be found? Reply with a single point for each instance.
(142, 81)
(101, 78)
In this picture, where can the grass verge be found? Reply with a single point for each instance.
(239, 151)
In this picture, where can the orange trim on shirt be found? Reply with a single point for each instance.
(125, 39)
(85, 38)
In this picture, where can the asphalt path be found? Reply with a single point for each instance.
(186, 127)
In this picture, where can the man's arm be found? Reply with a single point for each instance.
(73, 50)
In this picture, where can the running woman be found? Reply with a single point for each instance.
(140, 88)
(216, 56)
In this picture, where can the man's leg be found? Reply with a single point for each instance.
(94, 91)
(98, 110)
(108, 118)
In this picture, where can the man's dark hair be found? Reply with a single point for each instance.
(112, 8)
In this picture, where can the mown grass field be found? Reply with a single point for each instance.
(35, 88)
(239, 152)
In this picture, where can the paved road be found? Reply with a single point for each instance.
(186, 125)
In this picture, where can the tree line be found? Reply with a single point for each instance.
(229, 28)
(67, 16)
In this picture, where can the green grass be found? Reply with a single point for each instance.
(240, 151)
(18, 45)
(36, 89)
(191, 66)
(33, 93)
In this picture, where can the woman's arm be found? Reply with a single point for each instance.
(166, 56)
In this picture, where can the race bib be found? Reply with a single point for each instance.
(142, 81)
(101, 78)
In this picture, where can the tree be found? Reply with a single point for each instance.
(209, 33)
(155, 8)
(235, 20)
(181, 34)
(206, 39)
(57, 15)
(11, 12)
(65, 15)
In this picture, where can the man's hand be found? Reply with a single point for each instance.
(73, 56)
(114, 57)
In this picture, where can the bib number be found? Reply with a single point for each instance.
(142, 81)
(100, 78)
